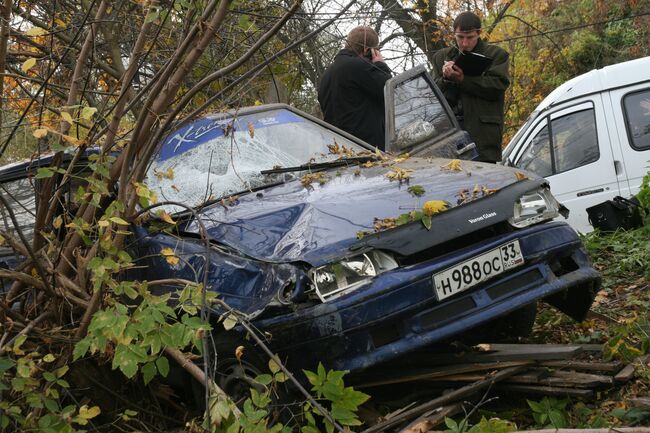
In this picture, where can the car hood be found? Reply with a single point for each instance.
(320, 222)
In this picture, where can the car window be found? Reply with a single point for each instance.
(637, 115)
(419, 115)
(574, 140)
(21, 197)
(537, 155)
(214, 157)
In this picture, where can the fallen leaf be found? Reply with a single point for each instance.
(251, 129)
(520, 176)
(399, 174)
(416, 190)
(434, 206)
(453, 165)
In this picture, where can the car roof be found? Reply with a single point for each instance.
(598, 80)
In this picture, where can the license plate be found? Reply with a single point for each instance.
(477, 269)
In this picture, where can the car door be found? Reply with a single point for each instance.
(570, 147)
(419, 120)
(630, 108)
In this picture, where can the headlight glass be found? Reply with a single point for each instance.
(336, 279)
(534, 207)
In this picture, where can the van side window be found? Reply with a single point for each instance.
(572, 143)
(637, 116)
(21, 197)
(574, 140)
(537, 156)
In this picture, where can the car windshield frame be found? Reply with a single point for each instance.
(226, 147)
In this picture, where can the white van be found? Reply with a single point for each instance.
(590, 137)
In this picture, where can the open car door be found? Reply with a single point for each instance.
(419, 120)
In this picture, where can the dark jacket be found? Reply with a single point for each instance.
(351, 95)
(481, 97)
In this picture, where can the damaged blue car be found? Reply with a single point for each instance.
(342, 254)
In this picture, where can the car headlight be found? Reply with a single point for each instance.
(335, 279)
(534, 207)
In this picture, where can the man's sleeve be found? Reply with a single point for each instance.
(493, 82)
(373, 78)
(438, 61)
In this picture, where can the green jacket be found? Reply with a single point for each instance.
(481, 97)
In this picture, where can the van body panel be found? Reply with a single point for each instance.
(621, 112)
(635, 160)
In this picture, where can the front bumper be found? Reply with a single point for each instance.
(398, 312)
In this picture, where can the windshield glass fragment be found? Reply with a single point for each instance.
(212, 158)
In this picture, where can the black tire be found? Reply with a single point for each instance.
(236, 376)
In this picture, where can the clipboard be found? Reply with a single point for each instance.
(472, 64)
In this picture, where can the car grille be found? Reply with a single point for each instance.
(456, 244)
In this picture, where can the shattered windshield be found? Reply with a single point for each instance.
(211, 158)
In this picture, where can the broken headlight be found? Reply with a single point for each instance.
(335, 279)
(534, 207)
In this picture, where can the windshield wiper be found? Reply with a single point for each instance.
(321, 165)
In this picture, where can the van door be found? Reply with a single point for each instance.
(419, 120)
(570, 147)
(630, 108)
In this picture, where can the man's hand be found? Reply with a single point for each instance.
(376, 55)
(452, 72)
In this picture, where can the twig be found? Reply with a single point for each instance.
(447, 398)
(199, 375)
(26, 329)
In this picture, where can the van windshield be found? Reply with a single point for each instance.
(506, 160)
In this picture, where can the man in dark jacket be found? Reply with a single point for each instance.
(477, 101)
(351, 93)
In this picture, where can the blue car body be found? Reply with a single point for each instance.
(308, 261)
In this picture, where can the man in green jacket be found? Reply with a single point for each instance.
(477, 100)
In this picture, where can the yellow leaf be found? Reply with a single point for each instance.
(88, 112)
(72, 140)
(166, 217)
(118, 220)
(60, 23)
(48, 358)
(433, 207)
(453, 165)
(520, 176)
(40, 133)
(239, 352)
(103, 223)
(28, 64)
(67, 117)
(2, 240)
(258, 102)
(169, 256)
(57, 222)
(88, 413)
(36, 31)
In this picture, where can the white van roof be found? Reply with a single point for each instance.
(597, 80)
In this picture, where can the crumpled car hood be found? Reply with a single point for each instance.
(318, 223)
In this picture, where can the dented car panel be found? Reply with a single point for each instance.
(290, 222)
(341, 254)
